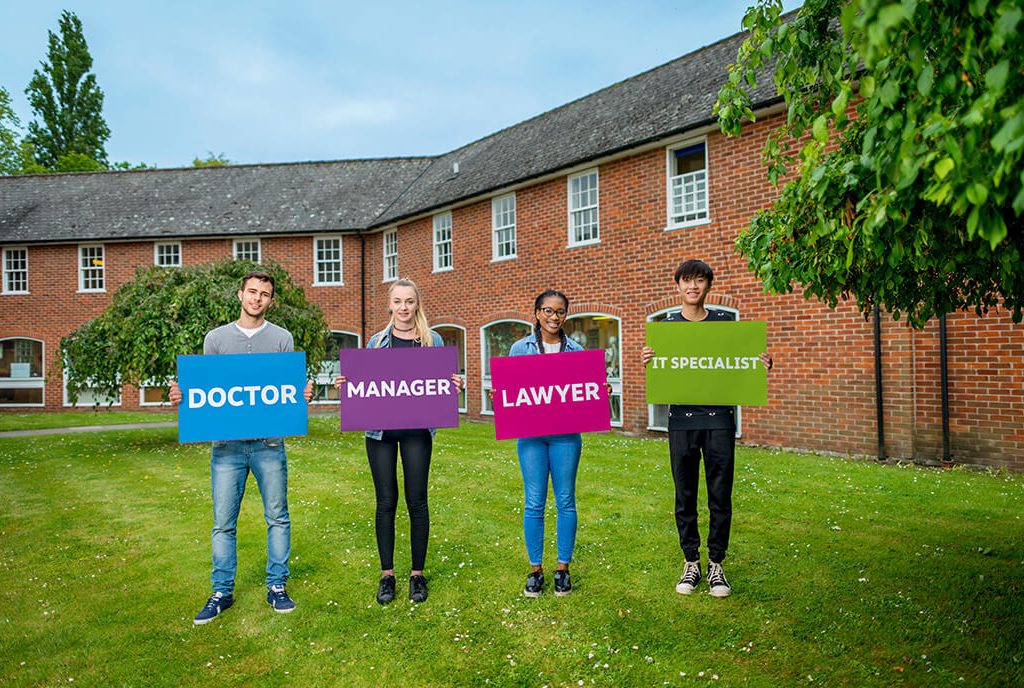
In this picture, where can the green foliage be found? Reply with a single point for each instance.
(67, 102)
(10, 145)
(211, 160)
(164, 312)
(901, 153)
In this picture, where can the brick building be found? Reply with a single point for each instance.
(600, 198)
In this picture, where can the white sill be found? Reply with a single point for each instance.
(437, 270)
(92, 291)
(328, 284)
(584, 243)
(686, 225)
(503, 259)
(14, 293)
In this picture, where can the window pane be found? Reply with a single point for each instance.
(328, 261)
(90, 268)
(497, 340)
(21, 359)
(454, 336)
(324, 390)
(602, 332)
(15, 270)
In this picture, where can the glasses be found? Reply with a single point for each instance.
(560, 312)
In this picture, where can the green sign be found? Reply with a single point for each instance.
(707, 363)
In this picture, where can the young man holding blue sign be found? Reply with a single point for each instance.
(696, 430)
(231, 461)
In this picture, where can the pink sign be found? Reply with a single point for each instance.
(549, 394)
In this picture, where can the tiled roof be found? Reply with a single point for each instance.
(235, 199)
(663, 102)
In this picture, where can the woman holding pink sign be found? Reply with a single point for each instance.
(407, 327)
(557, 456)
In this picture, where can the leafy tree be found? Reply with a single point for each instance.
(211, 160)
(902, 150)
(164, 312)
(68, 102)
(10, 144)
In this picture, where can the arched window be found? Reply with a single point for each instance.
(657, 414)
(600, 331)
(455, 335)
(495, 340)
(324, 391)
(21, 372)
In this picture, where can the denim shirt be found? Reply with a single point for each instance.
(382, 340)
(528, 345)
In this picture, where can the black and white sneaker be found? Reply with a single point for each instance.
(217, 603)
(716, 579)
(386, 590)
(417, 588)
(534, 584)
(563, 584)
(690, 579)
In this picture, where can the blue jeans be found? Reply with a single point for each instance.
(230, 464)
(559, 457)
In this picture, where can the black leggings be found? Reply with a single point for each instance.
(383, 456)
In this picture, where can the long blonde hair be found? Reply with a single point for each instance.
(420, 323)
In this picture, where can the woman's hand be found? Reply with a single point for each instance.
(460, 382)
(766, 361)
(339, 381)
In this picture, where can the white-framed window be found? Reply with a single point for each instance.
(15, 270)
(91, 268)
(247, 249)
(324, 391)
(602, 331)
(688, 185)
(657, 414)
(455, 335)
(442, 242)
(495, 340)
(390, 251)
(21, 372)
(503, 223)
(153, 393)
(584, 224)
(327, 261)
(90, 396)
(167, 254)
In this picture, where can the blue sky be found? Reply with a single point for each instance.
(302, 80)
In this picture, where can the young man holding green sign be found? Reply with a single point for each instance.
(695, 430)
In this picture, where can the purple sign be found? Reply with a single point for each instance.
(550, 394)
(399, 389)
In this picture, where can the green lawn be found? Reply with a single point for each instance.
(845, 573)
(98, 416)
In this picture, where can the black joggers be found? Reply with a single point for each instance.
(719, 450)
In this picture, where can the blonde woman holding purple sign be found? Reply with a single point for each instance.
(557, 456)
(408, 327)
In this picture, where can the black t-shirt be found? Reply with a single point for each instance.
(693, 417)
(399, 343)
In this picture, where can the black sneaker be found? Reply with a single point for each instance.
(417, 588)
(217, 603)
(690, 579)
(279, 600)
(386, 590)
(534, 584)
(716, 579)
(563, 584)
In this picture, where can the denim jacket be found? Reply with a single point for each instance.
(382, 340)
(528, 345)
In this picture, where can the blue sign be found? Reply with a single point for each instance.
(241, 396)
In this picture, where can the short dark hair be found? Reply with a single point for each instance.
(261, 276)
(689, 269)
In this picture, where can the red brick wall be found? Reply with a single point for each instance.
(822, 392)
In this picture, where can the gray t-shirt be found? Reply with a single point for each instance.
(228, 339)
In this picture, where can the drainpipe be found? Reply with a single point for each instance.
(947, 456)
(878, 385)
(362, 288)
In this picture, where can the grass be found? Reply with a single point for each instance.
(845, 573)
(99, 416)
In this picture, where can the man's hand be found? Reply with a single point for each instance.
(308, 392)
(646, 354)
(174, 393)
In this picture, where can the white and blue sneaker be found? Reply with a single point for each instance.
(279, 600)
